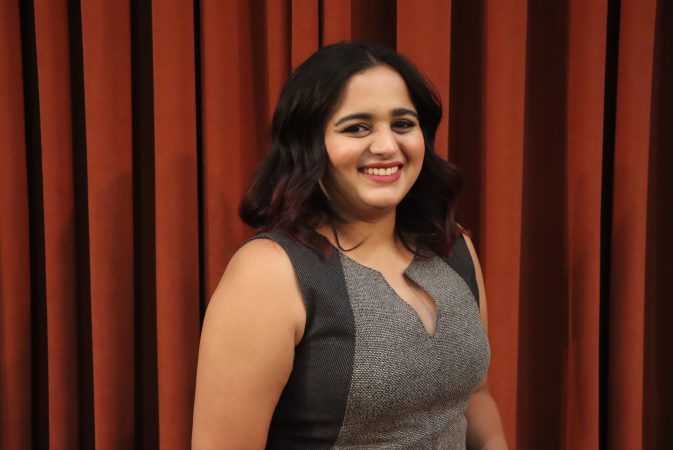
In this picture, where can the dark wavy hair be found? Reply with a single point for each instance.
(284, 193)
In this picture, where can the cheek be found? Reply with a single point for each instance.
(340, 155)
(340, 178)
(416, 147)
(339, 164)
(333, 150)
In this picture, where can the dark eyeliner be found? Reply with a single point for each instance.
(356, 128)
(405, 124)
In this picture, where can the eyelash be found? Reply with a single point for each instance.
(356, 129)
(360, 128)
(404, 124)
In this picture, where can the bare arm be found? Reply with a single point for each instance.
(484, 427)
(253, 321)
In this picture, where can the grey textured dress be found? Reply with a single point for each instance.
(366, 374)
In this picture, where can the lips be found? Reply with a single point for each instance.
(382, 172)
(381, 169)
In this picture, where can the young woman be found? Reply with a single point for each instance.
(356, 318)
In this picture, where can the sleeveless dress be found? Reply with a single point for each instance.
(366, 374)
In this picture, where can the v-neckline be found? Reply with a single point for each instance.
(398, 297)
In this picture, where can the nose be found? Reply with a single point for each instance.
(384, 143)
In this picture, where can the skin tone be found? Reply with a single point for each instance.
(256, 316)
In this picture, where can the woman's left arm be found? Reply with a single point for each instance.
(484, 427)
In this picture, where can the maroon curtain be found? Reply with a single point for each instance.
(129, 132)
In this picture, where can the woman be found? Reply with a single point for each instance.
(353, 319)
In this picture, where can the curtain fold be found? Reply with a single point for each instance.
(130, 131)
(586, 89)
(501, 199)
(15, 265)
(628, 274)
(658, 369)
(106, 216)
(177, 217)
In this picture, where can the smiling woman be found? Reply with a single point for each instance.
(374, 145)
(356, 317)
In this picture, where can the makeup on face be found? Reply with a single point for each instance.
(374, 143)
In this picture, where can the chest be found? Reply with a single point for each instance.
(419, 300)
(435, 329)
(399, 369)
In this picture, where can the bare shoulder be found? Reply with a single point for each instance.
(253, 322)
(261, 279)
(261, 258)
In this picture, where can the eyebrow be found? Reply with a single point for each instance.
(366, 116)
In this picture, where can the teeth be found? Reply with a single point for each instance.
(376, 171)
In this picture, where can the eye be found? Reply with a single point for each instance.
(358, 129)
(403, 126)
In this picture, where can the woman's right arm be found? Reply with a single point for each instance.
(254, 320)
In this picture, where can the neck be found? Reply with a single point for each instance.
(367, 234)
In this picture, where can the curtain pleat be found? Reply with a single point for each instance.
(544, 268)
(658, 370)
(53, 73)
(240, 82)
(587, 25)
(501, 197)
(629, 223)
(108, 119)
(177, 217)
(129, 134)
(16, 397)
(305, 29)
(336, 20)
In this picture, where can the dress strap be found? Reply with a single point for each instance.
(460, 260)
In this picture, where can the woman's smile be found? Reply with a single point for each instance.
(382, 173)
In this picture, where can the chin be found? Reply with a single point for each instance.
(383, 205)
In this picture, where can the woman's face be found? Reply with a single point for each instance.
(375, 145)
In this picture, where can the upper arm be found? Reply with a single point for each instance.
(252, 324)
(484, 424)
(483, 308)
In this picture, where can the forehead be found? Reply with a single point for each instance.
(379, 89)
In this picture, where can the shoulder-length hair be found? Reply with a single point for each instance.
(284, 193)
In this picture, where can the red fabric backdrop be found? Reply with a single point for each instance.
(129, 131)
